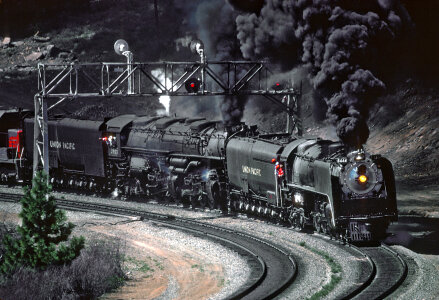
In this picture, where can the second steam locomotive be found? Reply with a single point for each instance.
(348, 194)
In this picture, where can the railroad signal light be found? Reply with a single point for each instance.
(196, 46)
(278, 86)
(192, 85)
(121, 46)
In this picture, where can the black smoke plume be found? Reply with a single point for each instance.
(247, 6)
(340, 42)
(232, 109)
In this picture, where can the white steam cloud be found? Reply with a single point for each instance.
(165, 100)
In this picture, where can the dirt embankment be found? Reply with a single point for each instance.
(159, 262)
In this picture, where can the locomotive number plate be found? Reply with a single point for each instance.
(114, 152)
(359, 232)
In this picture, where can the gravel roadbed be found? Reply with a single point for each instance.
(423, 277)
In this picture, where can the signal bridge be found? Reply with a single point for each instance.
(59, 83)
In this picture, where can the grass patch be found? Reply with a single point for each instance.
(221, 282)
(139, 265)
(158, 264)
(335, 270)
(199, 267)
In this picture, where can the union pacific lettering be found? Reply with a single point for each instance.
(252, 171)
(62, 145)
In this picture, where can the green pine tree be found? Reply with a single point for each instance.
(43, 234)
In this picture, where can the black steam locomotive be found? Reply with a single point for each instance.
(348, 194)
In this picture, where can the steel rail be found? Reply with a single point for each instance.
(389, 270)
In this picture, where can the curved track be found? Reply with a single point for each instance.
(272, 268)
(389, 271)
(381, 270)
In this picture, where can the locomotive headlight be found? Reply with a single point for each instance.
(362, 179)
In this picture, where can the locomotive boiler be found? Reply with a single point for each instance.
(179, 158)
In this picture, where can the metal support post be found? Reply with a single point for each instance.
(298, 112)
(277, 187)
(129, 56)
(41, 136)
(203, 70)
(289, 127)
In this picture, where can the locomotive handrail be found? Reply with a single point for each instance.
(177, 133)
(145, 150)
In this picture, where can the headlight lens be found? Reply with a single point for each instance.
(360, 177)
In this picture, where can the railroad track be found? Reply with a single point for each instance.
(382, 271)
(389, 271)
(272, 269)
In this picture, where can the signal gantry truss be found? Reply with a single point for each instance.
(58, 83)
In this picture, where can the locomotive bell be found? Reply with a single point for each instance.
(359, 156)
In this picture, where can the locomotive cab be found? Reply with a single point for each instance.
(116, 135)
